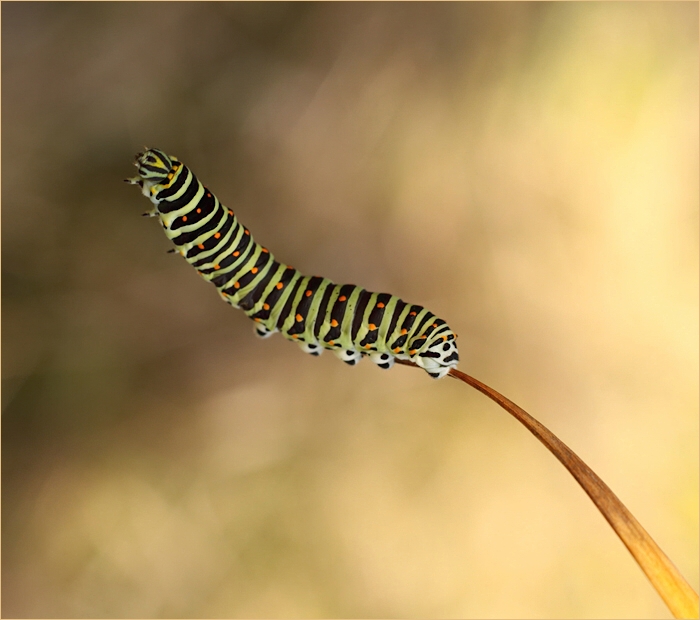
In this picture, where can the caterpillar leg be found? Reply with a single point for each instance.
(383, 360)
(439, 373)
(260, 330)
(312, 348)
(348, 356)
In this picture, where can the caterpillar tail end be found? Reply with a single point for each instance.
(439, 357)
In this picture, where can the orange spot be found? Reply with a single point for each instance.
(208, 195)
(372, 327)
(331, 342)
(334, 323)
(230, 212)
(412, 351)
(170, 176)
(236, 285)
(200, 246)
(404, 331)
(279, 285)
(299, 318)
(397, 350)
(266, 306)
(254, 270)
(265, 251)
(199, 210)
(217, 235)
(247, 232)
(380, 305)
(367, 346)
(295, 336)
(184, 218)
(434, 324)
(444, 338)
(308, 293)
(342, 298)
(413, 314)
(235, 253)
(217, 266)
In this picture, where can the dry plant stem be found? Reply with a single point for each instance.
(680, 598)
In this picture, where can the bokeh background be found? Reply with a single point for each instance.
(527, 171)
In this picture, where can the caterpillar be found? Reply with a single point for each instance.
(313, 311)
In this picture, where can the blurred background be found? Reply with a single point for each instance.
(529, 172)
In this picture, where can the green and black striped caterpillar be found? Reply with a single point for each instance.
(313, 311)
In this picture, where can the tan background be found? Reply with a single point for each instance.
(527, 171)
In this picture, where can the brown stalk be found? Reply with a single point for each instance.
(680, 598)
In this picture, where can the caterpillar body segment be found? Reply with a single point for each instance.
(313, 311)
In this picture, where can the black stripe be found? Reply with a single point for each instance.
(398, 309)
(275, 294)
(377, 313)
(252, 298)
(435, 327)
(370, 338)
(205, 205)
(375, 318)
(245, 244)
(156, 169)
(223, 278)
(359, 311)
(399, 342)
(441, 327)
(408, 321)
(304, 305)
(175, 186)
(338, 311)
(333, 333)
(288, 305)
(225, 254)
(248, 277)
(167, 206)
(209, 244)
(428, 317)
(323, 307)
(216, 221)
(306, 301)
(416, 344)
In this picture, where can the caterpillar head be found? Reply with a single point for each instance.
(155, 168)
(438, 355)
(154, 165)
